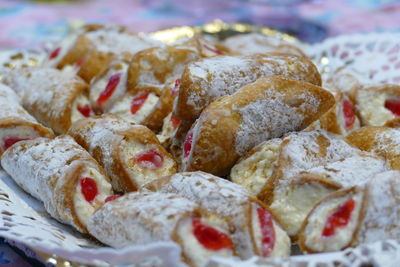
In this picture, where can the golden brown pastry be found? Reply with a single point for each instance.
(382, 141)
(232, 125)
(131, 154)
(354, 216)
(62, 175)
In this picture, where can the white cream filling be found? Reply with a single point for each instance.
(168, 130)
(139, 174)
(22, 132)
(317, 220)
(100, 84)
(293, 202)
(186, 160)
(253, 172)
(372, 109)
(81, 100)
(193, 249)
(282, 244)
(83, 208)
(123, 108)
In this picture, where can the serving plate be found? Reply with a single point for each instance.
(26, 224)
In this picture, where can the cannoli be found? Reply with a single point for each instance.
(382, 141)
(15, 123)
(62, 175)
(130, 154)
(94, 47)
(293, 173)
(256, 43)
(232, 125)
(340, 119)
(109, 86)
(205, 80)
(56, 98)
(353, 216)
(256, 231)
(346, 80)
(378, 104)
(150, 69)
(144, 217)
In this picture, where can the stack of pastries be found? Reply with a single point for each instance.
(228, 148)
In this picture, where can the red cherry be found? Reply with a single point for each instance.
(150, 159)
(348, 112)
(210, 237)
(110, 88)
(12, 140)
(175, 122)
(79, 63)
(393, 106)
(175, 91)
(267, 231)
(138, 102)
(187, 146)
(84, 110)
(339, 218)
(89, 188)
(55, 53)
(111, 198)
(212, 49)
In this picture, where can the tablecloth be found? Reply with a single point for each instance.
(30, 24)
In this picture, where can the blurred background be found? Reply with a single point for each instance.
(31, 23)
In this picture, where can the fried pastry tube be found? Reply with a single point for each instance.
(109, 86)
(293, 173)
(257, 43)
(256, 232)
(382, 141)
(144, 217)
(340, 119)
(232, 125)
(378, 104)
(62, 175)
(130, 154)
(353, 216)
(205, 80)
(15, 122)
(56, 98)
(93, 47)
(150, 69)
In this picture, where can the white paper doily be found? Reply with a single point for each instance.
(24, 220)
(377, 55)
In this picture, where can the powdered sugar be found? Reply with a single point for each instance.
(120, 42)
(46, 163)
(211, 192)
(53, 89)
(381, 220)
(139, 218)
(10, 106)
(271, 117)
(223, 75)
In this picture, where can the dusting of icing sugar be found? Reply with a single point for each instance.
(120, 42)
(224, 75)
(351, 171)
(10, 106)
(388, 140)
(47, 163)
(139, 218)
(271, 117)
(381, 219)
(306, 150)
(211, 192)
(49, 88)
